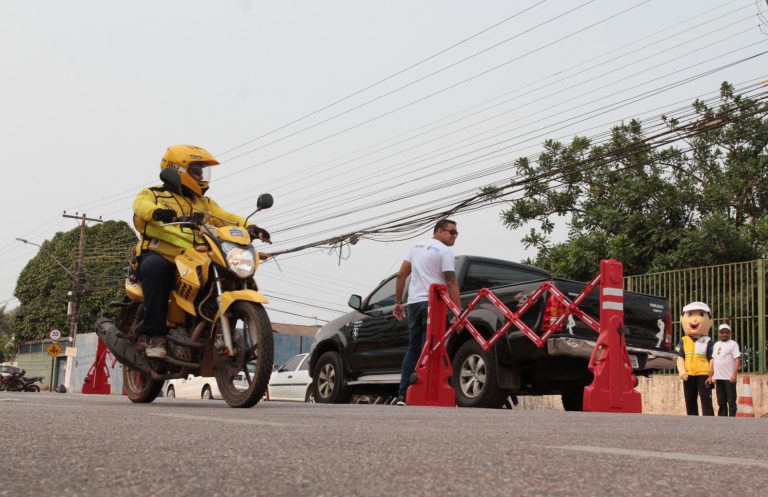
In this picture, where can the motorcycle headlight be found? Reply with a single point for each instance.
(240, 260)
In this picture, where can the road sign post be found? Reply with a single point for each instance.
(55, 336)
(53, 350)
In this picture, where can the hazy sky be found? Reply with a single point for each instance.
(351, 113)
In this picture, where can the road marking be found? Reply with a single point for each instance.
(676, 456)
(222, 420)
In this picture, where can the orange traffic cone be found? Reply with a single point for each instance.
(744, 407)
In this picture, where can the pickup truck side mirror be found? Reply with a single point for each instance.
(356, 303)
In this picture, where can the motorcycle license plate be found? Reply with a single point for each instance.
(634, 362)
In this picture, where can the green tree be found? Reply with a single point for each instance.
(43, 285)
(702, 200)
(7, 343)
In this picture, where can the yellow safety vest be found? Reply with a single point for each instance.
(696, 360)
(170, 241)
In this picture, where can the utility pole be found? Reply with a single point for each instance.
(78, 286)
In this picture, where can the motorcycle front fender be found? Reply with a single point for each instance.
(228, 298)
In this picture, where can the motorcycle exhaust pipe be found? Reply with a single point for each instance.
(122, 348)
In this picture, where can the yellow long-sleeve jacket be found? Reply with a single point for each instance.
(170, 241)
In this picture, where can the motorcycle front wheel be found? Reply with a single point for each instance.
(243, 379)
(140, 387)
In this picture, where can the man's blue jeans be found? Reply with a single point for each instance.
(417, 334)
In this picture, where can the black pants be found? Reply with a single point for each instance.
(156, 276)
(694, 387)
(726, 397)
(417, 334)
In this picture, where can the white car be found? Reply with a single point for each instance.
(200, 387)
(6, 369)
(291, 381)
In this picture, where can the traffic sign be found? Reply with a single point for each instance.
(53, 350)
(54, 335)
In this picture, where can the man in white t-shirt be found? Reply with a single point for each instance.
(725, 363)
(428, 262)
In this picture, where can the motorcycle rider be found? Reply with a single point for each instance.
(160, 244)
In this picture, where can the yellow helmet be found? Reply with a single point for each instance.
(181, 157)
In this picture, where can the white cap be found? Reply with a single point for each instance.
(697, 306)
(724, 327)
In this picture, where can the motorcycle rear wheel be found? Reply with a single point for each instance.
(254, 354)
(33, 388)
(140, 387)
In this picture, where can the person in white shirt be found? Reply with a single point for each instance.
(725, 363)
(428, 262)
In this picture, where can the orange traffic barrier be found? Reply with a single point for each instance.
(613, 387)
(433, 371)
(744, 404)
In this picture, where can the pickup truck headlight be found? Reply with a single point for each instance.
(240, 260)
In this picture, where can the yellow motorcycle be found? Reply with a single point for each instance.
(216, 315)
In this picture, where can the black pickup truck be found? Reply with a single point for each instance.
(361, 352)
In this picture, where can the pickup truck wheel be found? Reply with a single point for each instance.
(474, 377)
(573, 398)
(328, 380)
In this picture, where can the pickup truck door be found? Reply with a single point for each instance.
(378, 341)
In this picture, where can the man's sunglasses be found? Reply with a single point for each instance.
(452, 232)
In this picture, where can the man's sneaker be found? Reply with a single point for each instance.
(155, 348)
(400, 401)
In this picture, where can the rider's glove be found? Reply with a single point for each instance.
(259, 233)
(164, 215)
(197, 217)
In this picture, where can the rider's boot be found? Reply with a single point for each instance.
(155, 347)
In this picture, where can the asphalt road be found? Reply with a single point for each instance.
(81, 445)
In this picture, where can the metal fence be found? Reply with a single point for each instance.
(734, 292)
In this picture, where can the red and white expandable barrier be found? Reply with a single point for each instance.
(613, 387)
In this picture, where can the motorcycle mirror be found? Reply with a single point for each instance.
(264, 201)
(171, 179)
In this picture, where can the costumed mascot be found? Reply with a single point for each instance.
(695, 352)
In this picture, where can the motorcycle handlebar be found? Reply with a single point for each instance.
(193, 221)
(196, 220)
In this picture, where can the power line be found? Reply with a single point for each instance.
(404, 164)
(274, 309)
(430, 95)
(391, 76)
(408, 223)
(665, 29)
(391, 199)
(536, 84)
